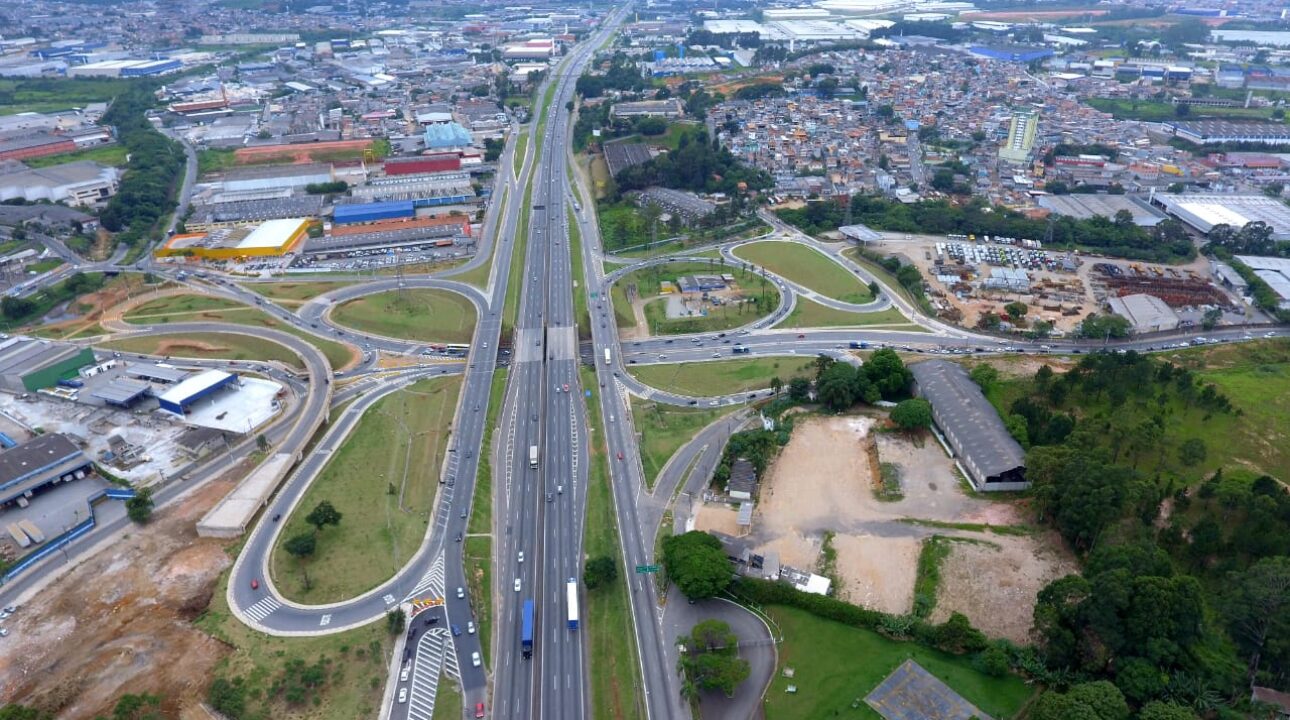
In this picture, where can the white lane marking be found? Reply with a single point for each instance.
(263, 609)
(325, 620)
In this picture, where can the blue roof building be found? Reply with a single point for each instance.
(446, 135)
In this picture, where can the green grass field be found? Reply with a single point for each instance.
(648, 282)
(214, 160)
(114, 155)
(447, 700)
(1153, 111)
(148, 313)
(721, 377)
(478, 561)
(359, 661)
(663, 430)
(54, 94)
(1254, 376)
(383, 479)
(611, 639)
(207, 346)
(521, 147)
(200, 308)
(481, 508)
(511, 306)
(835, 665)
(809, 314)
(419, 314)
(290, 294)
(580, 313)
(808, 268)
(44, 266)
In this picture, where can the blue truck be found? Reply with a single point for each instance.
(526, 629)
(857, 345)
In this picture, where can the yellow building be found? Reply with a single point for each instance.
(270, 238)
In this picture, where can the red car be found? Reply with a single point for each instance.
(255, 584)
(620, 454)
(801, 336)
(479, 710)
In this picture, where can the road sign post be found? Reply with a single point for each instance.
(643, 569)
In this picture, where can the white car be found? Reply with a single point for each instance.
(521, 556)
(517, 584)
(461, 592)
(470, 627)
(403, 694)
(403, 676)
(474, 659)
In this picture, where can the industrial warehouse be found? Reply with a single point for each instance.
(981, 445)
(270, 238)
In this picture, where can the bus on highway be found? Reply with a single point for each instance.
(533, 456)
(607, 356)
(526, 629)
(572, 587)
(456, 348)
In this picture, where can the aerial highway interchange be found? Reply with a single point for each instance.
(541, 451)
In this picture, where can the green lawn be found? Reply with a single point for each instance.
(481, 508)
(383, 479)
(55, 94)
(663, 430)
(806, 267)
(419, 314)
(447, 700)
(721, 377)
(148, 313)
(200, 308)
(478, 561)
(114, 155)
(44, 266)
(611, 639)
(1154, 111)
(648, 282)
(835, 665)
(359, 662)
(515, 281)
(207, 346)
(291, 294)
(521, 147)
(580, 314)
(809, 314)
(214, 160)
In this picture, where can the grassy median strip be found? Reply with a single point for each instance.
(293, 294)
(806, 267)
(447, 700)
(615, 672)
(260, 667)
(721, 377)
(521, 146)
(208, 346)
(478, 562)
(481, 508)
(809, 314)
(511, 308)
(417, 314)
(580, 313)
(200, 308)
(663, 430)
(383, 480)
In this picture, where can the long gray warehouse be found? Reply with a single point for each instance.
(994, 461)
(42, 460)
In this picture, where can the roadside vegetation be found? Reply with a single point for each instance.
(293, 294)
(18, 311)
(477, 561)
(806, 267)
(207, 346)
(807, 313)
(327, 677)
(663, 429)
(383, 480)
(481, 508)
(418, 314)
(719, 377)
(200, 308)
(615, 674)
(759, 298)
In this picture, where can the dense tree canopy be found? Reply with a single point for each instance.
(697, 563)
(698, 164)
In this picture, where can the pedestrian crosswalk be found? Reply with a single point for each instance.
(262, 609)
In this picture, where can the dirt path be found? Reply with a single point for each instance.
(121, 621)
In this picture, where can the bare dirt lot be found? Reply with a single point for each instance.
(823, 481)
(980, 581)
(120, 622)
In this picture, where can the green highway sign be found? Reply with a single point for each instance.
(646, 569)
